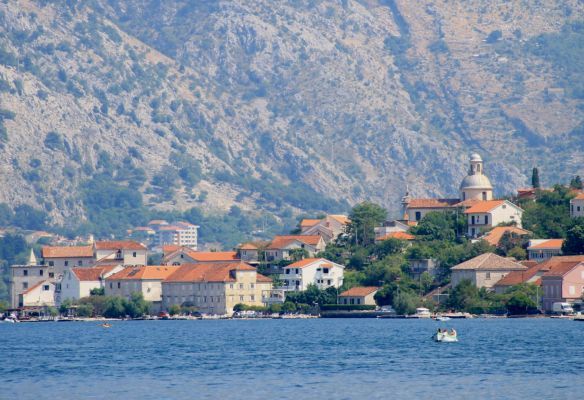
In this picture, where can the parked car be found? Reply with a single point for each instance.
(562, 308)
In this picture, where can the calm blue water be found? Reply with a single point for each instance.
(292, 359)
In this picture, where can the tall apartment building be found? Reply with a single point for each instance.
(179, 234)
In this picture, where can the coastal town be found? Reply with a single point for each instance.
(463, 256)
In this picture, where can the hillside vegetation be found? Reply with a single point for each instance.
(108, 109)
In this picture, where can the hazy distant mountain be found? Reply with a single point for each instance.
(283, 105)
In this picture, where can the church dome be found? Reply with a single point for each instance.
(475, 157)
(477, 181)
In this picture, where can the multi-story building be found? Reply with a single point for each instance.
(139, 279)
(185, 255)
(484, 215)
(329, 227)
(215, 288)
(563, 283)
(283, 246)
(25, 278)
(484, 270)
(312, 271)
(127, 252)
(543, 249)
(78, 282)
(180, 234)
(64, 257)
(577, 206)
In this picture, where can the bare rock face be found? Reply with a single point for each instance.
(301, 105)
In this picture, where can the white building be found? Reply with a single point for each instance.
(577, 206)
(127, 252)
(543, 249)
(139, 279)
(64, 257)
(282, 246)
(179, 234)
(476, 185)
(316, 271)
(78, 282)
(42, 294)
(486, 214)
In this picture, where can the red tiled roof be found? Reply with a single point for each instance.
(91, 274)
(263, 278)
(553, 262)
(517, 277)
(33, 287)
(432, 203)
(281, 241)
(309, 222)
(170, 248)
(342, 219)
(562, 269)
(579, 197)
(552, 244)
(67, 251)
(484, 206)
(489, 261)
(304, 263)
(493, 237)
(150, 272)
(359, 291)
(119, 244)
(210, 256)
(207, 272)
(397, 235)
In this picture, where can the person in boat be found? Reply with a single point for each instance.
(452, 332)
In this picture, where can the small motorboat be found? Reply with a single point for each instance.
(106, 325)
(441, 318)
(445, 336)
(9, 320)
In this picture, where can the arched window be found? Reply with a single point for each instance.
(484, 195)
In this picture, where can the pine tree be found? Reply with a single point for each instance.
(535, 178)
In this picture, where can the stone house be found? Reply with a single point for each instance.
(577, 206)
(484, 270)
(215, 288)
(316, 271)
(362, 295)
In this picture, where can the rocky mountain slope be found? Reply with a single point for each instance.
(284, 106)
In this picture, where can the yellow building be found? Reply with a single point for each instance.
(215, 288)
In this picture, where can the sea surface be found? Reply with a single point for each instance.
(293, 359)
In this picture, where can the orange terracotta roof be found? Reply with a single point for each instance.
(528, 263)
(91, 274)
(248, 246)
(150, 272)
(359, 291)
(207, 272)
(552, 244)
(484, 206)
(493, 237)
(157, 222)
(343, 219)
(170, 248)
(119, 244)
(518, 277)
(67, 252)
(562, 269)
(210, 256)
(579, 197)
(281, 241)
(432, 203)
(304, 263)
(397, 235)
(309, 222)
(489, 262)
(555, 261)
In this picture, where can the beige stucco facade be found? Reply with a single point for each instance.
(358, 300)
(480, 278)
(24, 277)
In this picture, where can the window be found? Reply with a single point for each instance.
(231, 286)
(41, 272)
(119, 286)
(134, 254)
(25, 285)
(241, 285)
(297, 271)
(287, 271)
(329, 281)
(352, 301)
(45, 288)
(51, 274)
(204, 299)
(418, 215)
(66, 263)
(252, 297)
(484, 195)
(472, 220)
(578, 208)
(240, 298)
(251, 285)
(51, 263)
(486, 219)
(488, 275)
(111, 285)
(345, 300)
(325, 270)
(463, 196)
(80, 263)
(25, 272)
(358, 301)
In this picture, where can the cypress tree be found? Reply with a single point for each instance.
(535, 178)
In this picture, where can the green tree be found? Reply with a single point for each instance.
(175, 309)
(405, 303)
(535, 178)
(518, 253)
(114, 307)
(364, 218)
(574, 243)
(388, 247)
(97, 291)
(576, 183)
(288, 307)
(439, 226)
(85, 310)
